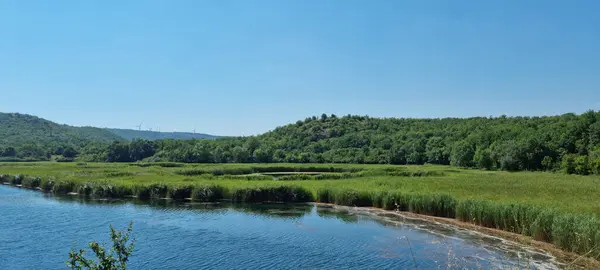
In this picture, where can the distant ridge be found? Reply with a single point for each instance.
(17, 129)
(130, 134)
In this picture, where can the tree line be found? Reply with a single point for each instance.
(569, 142)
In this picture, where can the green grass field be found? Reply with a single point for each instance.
(571, 193)
(557, 208)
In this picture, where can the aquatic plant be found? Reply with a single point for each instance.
(85, 189)
(47, 184)
(271, 194)
(550, 207)
(142, 192)
(179, 192)
(208, 193)
(62, 187)
(31, 181)
(158, 190)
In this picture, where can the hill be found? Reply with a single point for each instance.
(17, 129)
(568, 142)
(130, 134)
(28, 137)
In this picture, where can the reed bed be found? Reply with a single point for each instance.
(559, 209)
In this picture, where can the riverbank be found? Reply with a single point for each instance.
(556, 209)
(568, 260)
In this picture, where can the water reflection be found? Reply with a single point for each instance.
(188, 235)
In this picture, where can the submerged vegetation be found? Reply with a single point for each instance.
(556, 208)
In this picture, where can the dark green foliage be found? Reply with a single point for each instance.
(158, 191)
(47, 184)
(106, 190)
(142, 192)
(30, 181)
(62, 187)
(439, 205)
(507, 143)
(351, 197)
(159, 164)
(271, 194)
(5, 178)
(17, 179)
(85, 189)
(27, 136)
(462, 154)
(180, 192)
(576, 233)
(208, 193)
(114, 259)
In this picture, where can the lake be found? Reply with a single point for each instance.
(38, 230)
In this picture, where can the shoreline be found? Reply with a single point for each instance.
(569, 259)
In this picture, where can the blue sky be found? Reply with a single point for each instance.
(244, 67)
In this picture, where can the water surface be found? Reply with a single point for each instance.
(38, 230)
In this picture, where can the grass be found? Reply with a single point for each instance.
(556, 208)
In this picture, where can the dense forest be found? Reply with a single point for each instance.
(569, 142)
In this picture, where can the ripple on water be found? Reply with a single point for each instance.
(37, 231)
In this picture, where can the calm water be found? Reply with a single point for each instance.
(37, 231)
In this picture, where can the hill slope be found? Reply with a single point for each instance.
(130, 134)
(18, 129)
(570, 142)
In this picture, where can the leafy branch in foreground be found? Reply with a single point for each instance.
(116, 258)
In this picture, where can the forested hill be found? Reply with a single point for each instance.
(33, 136)
(567, 142)
(16, 129)
(130, 134)
(513, 143)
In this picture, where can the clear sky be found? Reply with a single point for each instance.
(244, 67)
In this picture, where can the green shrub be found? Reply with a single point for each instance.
(180, 192)
(105, 191)
(439, 205)
(271, 194)
(47, 184)
(85, 189)
(142, 192)
(351, 197)
(17, 179)
(62, 187)
(158, 191)
(31, 181)
(324, 195)
(208, 193)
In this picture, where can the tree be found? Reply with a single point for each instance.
(483, 159)
(547, 163)
(436, 152)
(397, 154)
(140, 149)
(9, 152)
(568, 163)
(462, 154)
(69, 152)
(118, 152)
(263, 155)
(240, 154)
(582, 165)
(115, 259)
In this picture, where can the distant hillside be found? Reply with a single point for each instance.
(130, 134)
(28, 137)
(17, 129)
